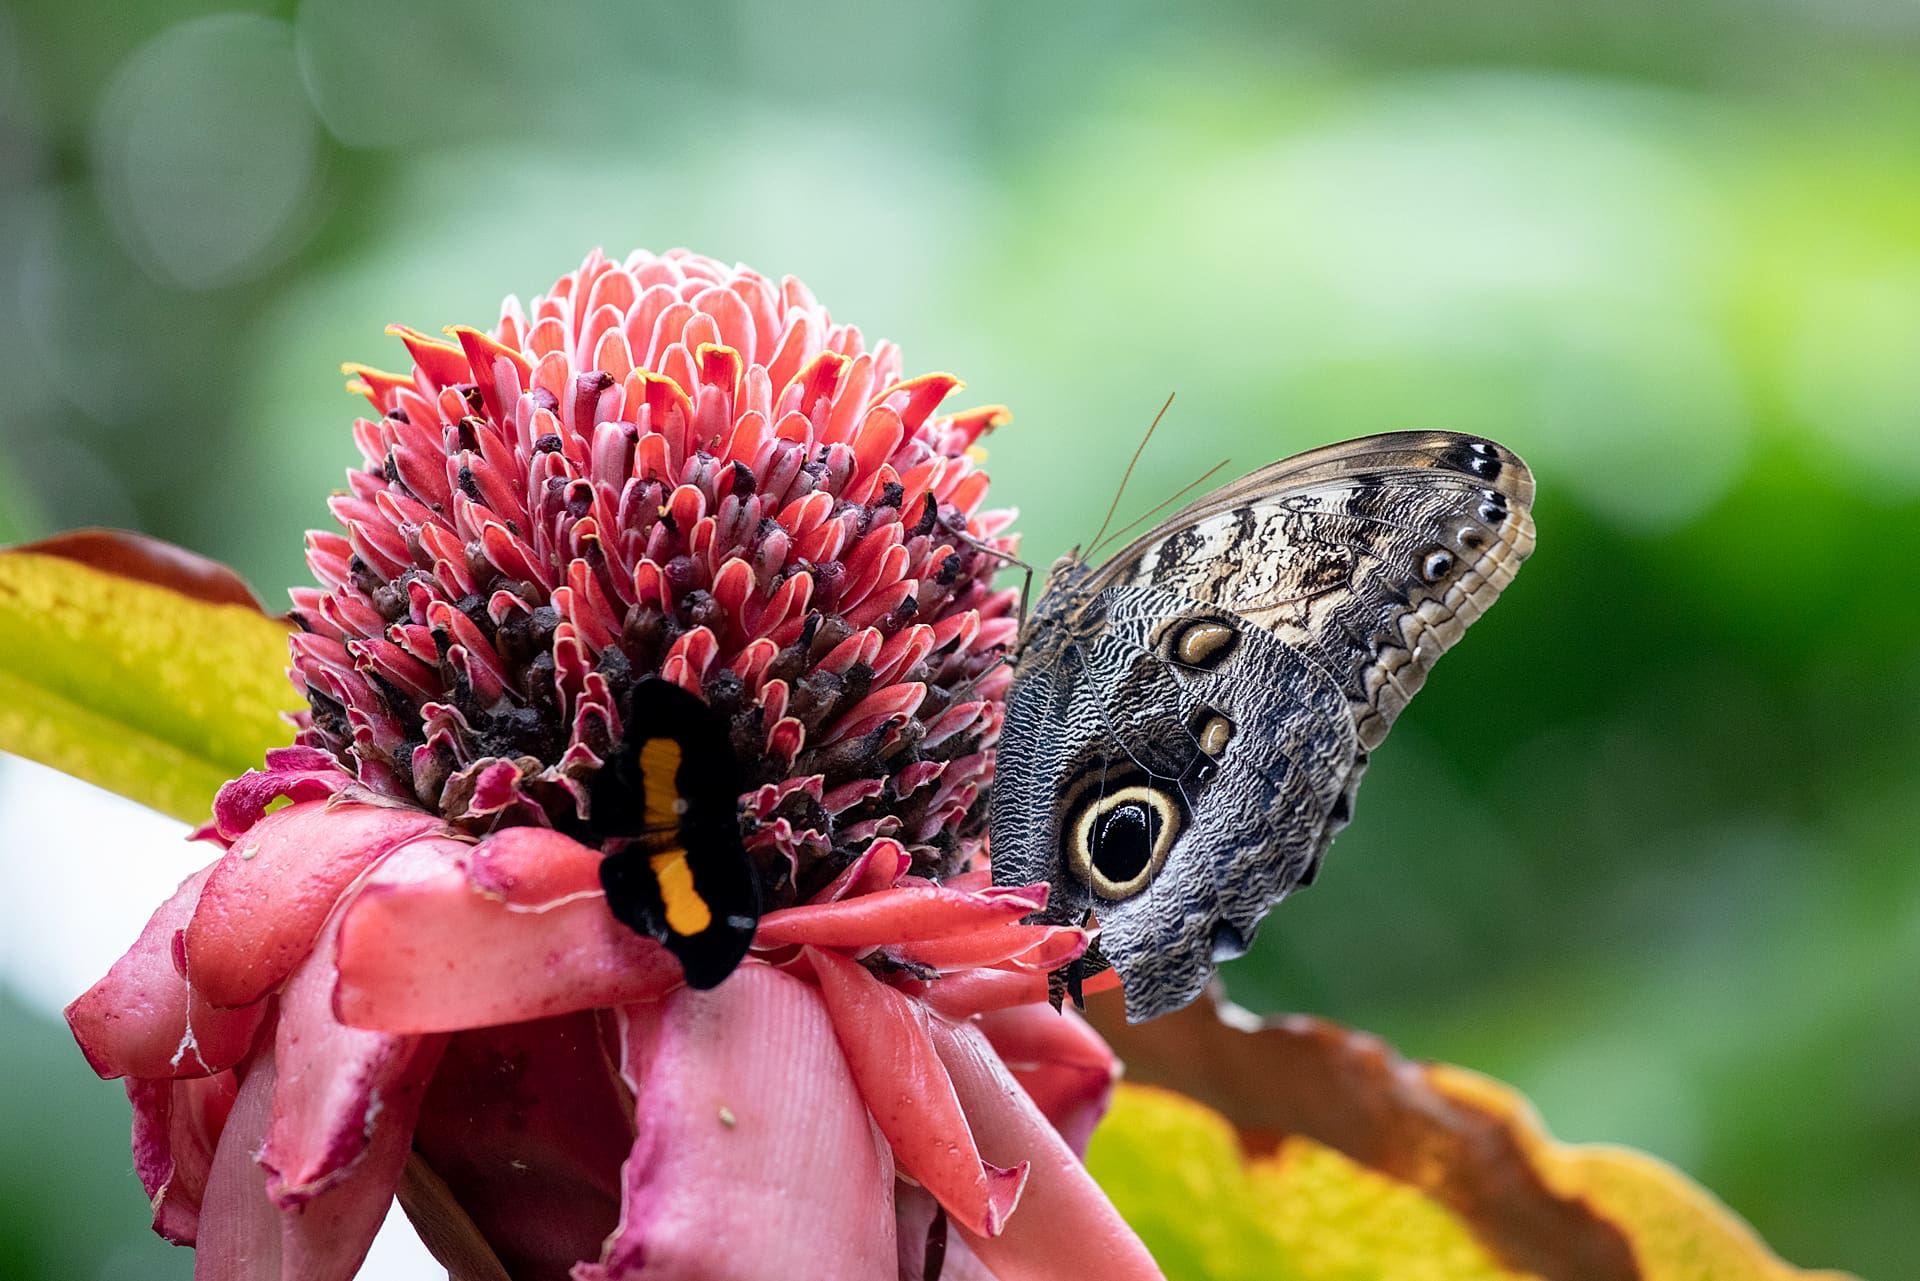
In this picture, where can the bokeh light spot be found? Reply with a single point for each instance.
(1854, 374)
(205, 149)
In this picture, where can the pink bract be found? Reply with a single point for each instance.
(402, 973)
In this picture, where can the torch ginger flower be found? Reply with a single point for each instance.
(405, 973)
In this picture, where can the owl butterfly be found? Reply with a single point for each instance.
(1188, 721)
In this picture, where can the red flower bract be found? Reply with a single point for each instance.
(680, 469)
(403, 974)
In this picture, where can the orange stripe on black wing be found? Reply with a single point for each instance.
(661, 804)
(666, 807)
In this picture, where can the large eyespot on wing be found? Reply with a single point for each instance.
(1224, 756)
(665, 808)
(1118, 839)
(1372, 557)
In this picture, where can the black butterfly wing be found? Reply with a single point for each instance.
(666, 808)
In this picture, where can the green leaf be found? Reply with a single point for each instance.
(139, 667)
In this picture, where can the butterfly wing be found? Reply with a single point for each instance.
(1188, 722)
(1372, 557)
(675, 867)
(1184, 800)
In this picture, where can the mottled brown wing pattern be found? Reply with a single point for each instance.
(1188, 722)
(1176, 772)
(1372, 557)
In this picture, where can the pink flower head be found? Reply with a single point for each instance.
(623, 904)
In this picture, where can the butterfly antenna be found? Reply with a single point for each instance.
(1005, 558)
(1118, 493)
(1175, 497)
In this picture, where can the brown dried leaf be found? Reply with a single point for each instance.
(127, 554)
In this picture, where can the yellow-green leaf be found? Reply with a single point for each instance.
(1313, 1153)
(1176, 1170)
(138, 667)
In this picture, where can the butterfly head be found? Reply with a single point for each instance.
(1065, 574)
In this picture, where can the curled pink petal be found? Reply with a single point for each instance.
(295, 773)
(335, 1082)
(326, 1237)
(889, 1049)
(265, 899)
(1062, 1064)
(898, 915)
(739, 1089)
(423, 950)
(879, 867)
(143, 1020)
(176, 1127)
(1061, 1203)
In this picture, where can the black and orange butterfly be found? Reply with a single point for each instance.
(666, 810)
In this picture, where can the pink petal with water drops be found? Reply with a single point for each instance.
(335, 1083)
(739, 1089)
(1062, 1064)
(143, 1019)
(266, 898)
(425, 949)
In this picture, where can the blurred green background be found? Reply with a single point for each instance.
(1645, 848)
